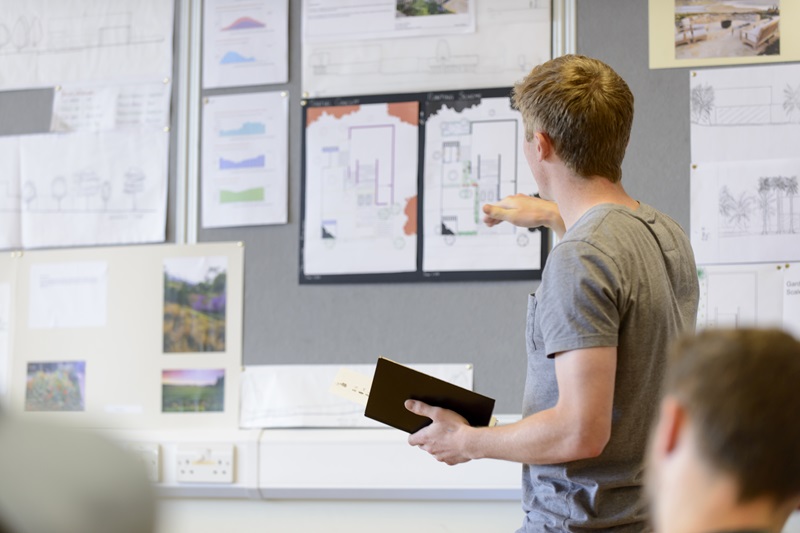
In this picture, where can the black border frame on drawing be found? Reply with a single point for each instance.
(419, 275)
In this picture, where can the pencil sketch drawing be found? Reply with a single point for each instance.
(766, 208)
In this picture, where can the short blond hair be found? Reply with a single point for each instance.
(584, 107)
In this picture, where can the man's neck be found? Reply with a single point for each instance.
(718, 510)
(575, 195)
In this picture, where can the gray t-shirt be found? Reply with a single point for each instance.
(620, 278)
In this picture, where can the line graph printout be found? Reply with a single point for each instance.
(93, 188)
(739, 296)
(10, 200)
(745, 110)
(746, 211)
(360, 179)
(244, 175)
(245, 42)
(473, 156)
(512, 37)
(44, 43)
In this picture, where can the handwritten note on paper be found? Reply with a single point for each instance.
(68, 295)
(791, 301)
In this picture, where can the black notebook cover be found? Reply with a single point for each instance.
(394, 383)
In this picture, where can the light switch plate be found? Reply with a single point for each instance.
(150, 453)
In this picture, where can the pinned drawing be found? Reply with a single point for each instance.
(745, 110)
(473, 156)
(360, 179)
(756, 216)
(767, 202)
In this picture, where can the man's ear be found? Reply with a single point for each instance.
(544, 146)
(671, 425)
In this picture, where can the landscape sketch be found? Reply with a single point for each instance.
(195, 294)
(193, 391)
(726, 28)
(56, 386)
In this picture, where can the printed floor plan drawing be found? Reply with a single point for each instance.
(473, 156)
(361, 188)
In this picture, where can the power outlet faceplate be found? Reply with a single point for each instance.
(205, 463)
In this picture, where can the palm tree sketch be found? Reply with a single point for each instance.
(771, 195)
(702, 104)
(791, 100)
(791, 192)
(736, 211)
(765, 203)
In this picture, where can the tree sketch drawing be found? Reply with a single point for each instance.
(791, 100)
(702, 103)
(773, 194)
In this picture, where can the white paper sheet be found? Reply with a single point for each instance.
(361, 189)
(245, 43)
(746, 211)
(735, 296)
(5, 338)
(68, 295)
(379, 19)
(10, 201)
(474, 156)
(94, 188)
(245, 172)
(44, 43)
(791, 299)
(299, 395)
(99, 107)
(511, 37)
(751, 112)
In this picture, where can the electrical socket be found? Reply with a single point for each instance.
(150, 454)
(205, 463)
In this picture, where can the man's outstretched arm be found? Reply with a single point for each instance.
(526, 212)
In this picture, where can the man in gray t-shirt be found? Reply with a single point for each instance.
(624, 278)
(620, 285)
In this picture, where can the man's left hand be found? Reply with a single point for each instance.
(445, 437)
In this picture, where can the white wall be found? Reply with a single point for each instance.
(292, 516)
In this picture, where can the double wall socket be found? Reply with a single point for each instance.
(205, 463)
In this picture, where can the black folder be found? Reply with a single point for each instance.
(394, 383)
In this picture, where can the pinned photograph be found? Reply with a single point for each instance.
(56, 386)
(423, 8)
(193, 391)
(726, 28)
(194, 304)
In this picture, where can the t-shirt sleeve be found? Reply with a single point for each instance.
(578, 301)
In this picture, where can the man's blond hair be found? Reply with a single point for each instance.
(584, 108)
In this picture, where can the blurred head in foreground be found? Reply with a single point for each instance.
(725, 452)
(56, 479)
